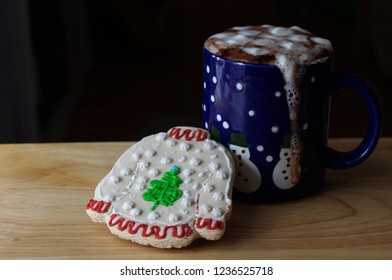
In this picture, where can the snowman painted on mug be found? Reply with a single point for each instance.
(248, 178)
(282, 175)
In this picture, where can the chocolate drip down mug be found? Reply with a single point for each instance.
(266, 97)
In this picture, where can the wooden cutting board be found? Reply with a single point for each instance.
(44, 189)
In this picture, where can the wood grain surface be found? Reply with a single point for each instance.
(44, 189)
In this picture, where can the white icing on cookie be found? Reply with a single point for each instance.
(202, 175)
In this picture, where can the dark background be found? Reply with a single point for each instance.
(117, 70)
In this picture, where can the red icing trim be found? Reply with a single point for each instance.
(148, 230)
(187, 134)
(98, 206)
(197, 201)
(209, 223)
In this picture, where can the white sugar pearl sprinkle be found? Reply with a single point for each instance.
(153, 216)
(114, 179)
(185, 146)
(195, 161)
(150, 153)
(217, 212)
(166, 160)
(206, 208)
(135, 212)
(174, 217)
(213, 165)
(125, 171)
(188, 171)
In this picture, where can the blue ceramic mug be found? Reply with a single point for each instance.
(246, 106)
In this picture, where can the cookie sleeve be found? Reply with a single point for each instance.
(214, 202)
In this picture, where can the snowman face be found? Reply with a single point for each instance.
(240, 153)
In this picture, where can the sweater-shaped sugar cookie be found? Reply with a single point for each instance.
(167, 190)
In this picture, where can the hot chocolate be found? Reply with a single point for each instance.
(265, 44)
(290, 49)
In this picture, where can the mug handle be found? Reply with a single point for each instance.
(340, 160)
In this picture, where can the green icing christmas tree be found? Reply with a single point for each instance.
(165, 191)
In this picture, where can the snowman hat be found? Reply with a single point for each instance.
(238, 139)
(286, 142)
(215, 133)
